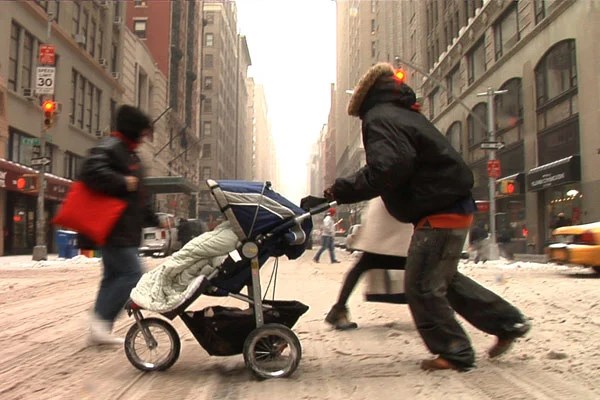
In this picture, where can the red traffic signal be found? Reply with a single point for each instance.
(510, 187)
(49, 108)
(507, 187)
(27, 183)
(400, 75)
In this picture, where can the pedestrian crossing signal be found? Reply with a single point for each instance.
(27, 183)
(507, 187)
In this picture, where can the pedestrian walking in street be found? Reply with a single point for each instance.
(327, 237)
(384, 242)
(422, 180)
(113, 168)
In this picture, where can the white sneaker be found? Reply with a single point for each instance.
(100, 333)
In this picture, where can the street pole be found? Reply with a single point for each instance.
(40, 251)
(494, 252)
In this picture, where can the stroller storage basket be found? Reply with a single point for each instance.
(222, 330)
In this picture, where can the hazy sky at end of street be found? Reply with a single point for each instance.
(292, 47)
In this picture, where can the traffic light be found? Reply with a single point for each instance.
(400, 75)
(27, 183)
(49, 109)
(507, 187)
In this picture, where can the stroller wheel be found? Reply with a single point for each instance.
(155, 347)
(272, 351)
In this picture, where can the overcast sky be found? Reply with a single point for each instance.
(292, 46)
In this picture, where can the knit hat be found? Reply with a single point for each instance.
(131, 121)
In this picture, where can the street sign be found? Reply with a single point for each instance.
(493, 168)
(47, 54)
(491, 145)
(40, 161)
(44, 80)
(30, 141)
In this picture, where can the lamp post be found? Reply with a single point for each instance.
(491, 128)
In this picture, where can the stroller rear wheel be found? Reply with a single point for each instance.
(155, 347)
(272, 351)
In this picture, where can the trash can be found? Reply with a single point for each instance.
(66, 241)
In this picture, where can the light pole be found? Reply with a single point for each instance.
(493, 172)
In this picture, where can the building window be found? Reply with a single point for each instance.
(84, 27)
(13, 57)
(139, 28)
(27, 61)
(206, 173)
(454, 136)
(209, 18)
(509, 106)
(506, 31)
(434, 103)
(92, 45)
(114, 56)
(539, 9)
(71, 165)
(139, 3)
(207, 106)
(208, 83)
(373, 27)
(207, 128)
(477, 131)
(208, 60)
(453, 84)
(99, 49)
(85, 103)
(206, 151)
(209, 40)
(476, 57)
(76, 14)
(373, 49)
(556, 73)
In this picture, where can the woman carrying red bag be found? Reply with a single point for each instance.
(113, 168)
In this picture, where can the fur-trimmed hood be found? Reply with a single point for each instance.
(378, 85)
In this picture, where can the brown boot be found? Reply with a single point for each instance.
(338, 317)
(504, 344)
(437, 364)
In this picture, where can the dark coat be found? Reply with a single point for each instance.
(104, 171)
(409, 163)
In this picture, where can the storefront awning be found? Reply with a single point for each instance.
(169, 184)
(56, 186)
(556, 173)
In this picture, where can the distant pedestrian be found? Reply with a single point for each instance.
(560, 221)
(423, 180)
(113, 168)
(384, 242)
(327, 237)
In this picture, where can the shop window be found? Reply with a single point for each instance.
(454, 136)
(476, 130)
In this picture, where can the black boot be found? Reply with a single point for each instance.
(338, 317)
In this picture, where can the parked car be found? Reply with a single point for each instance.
(161, 240)
(352, 236)
(340, 239)
(576, 245)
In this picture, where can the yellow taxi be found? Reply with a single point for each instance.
(577, 245)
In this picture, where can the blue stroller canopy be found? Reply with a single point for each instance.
(253, 208)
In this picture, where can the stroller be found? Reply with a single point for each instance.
(267, 225)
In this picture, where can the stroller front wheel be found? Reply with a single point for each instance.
(154, 347)
(272, 351)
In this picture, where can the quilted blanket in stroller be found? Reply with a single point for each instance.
(169, 285)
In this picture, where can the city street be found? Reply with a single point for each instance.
(44, 313)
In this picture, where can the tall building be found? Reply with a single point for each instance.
(171, 32)
(87, 37)
(265, 158)
(541, 53)
(225, 139)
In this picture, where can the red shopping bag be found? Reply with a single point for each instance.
(89, 213)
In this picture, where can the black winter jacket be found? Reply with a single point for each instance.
(409, 163)
(104, 171)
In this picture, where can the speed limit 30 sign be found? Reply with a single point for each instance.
(44, 80)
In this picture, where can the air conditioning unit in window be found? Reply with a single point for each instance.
(116, 75)
(103, 62)
(104, 3)
(79, 39)
(28, 93)
(118, 21)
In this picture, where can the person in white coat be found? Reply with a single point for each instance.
(384, 242)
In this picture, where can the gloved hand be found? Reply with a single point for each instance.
(328, 194)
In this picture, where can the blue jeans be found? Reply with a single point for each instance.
(122, 271)
(435, 290)
(326, 244)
